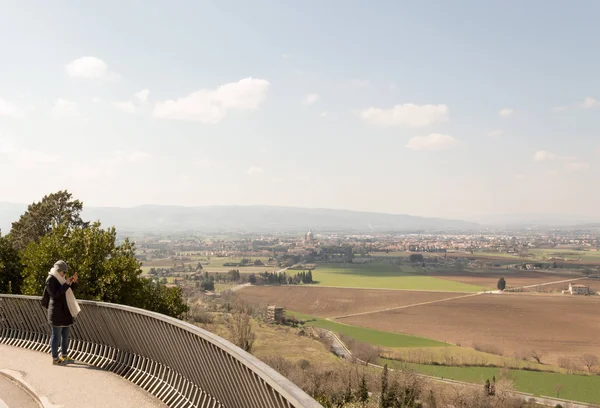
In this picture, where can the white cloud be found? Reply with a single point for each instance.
(408, 114)
(9, 109)
(496, 133)
(143, 95)
(311, 98)
(519, 176)
(255, 171)
(560, 108)
(576, 166)
(324, 114)
(89, 68)
(433, 141)
(96, 100)
(25, 158)
(130, 106)
(590, 103)
(125, 106)
(285, 55)
(64, 107)
(211, 106)
(543, 155)
(506, 112)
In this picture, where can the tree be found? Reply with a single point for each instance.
(590, 361)
(252, 278)
(537, 356)
(414, 258)
(558, 388)
(363, 392)
(486, 387)
(501, 284)
(348, 397)
(10, 267)
(365, 352)
(241, 331)
(40, 218)
(383, 401)
(107, 272)
(208, 285)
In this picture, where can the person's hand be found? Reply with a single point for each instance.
(74, 277)
(69, 280)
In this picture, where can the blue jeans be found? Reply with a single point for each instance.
(59, 334)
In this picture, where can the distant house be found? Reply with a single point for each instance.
(578, 289)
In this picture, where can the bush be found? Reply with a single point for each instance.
(488, 348)
(197, 315)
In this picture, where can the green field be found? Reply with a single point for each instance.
(370, 336)
(581, 388)
(385, 276)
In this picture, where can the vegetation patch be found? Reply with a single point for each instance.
(369, 336)
(584, 388)
(385, 276)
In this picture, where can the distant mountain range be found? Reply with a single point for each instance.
(263, 219)
(154, 218)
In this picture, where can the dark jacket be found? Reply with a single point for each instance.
(58, 310)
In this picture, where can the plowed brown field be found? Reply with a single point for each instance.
(514, 278)
(330, 302)
(556, 326)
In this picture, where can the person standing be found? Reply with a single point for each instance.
(62, 310)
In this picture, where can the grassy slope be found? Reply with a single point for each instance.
(386, 276)
(574, 387)
(370, 336)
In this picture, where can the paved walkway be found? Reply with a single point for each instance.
(72, 386)
(12, 394)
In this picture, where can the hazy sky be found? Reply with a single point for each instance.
(444, 108)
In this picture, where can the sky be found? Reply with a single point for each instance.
(433, 108)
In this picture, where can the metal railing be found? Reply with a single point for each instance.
(180, 364)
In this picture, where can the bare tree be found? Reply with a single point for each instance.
(558, 388)
(241, 331)
(564, 362)
(537, 356)
(365, 352)
(589, 361)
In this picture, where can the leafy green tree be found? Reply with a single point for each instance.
(208, 285)
(383, 401)
(363, 391)
(10, 267)
(107, 272)
(40, 218)
(501, 284)
(416, 258)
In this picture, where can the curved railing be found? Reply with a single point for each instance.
(181, 364)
